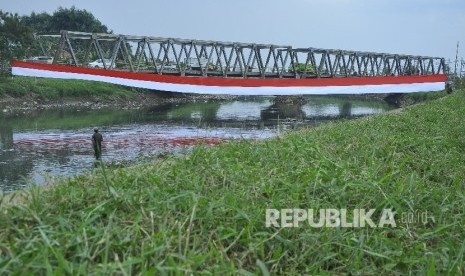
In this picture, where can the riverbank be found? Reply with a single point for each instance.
(25, 94)
(205, 212)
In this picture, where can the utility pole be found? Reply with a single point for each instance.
(456, 58)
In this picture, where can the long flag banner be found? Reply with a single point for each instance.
(237, 86)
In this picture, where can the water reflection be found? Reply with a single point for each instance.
(57, 142)
(243, 111)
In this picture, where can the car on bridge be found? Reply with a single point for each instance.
(168, 67)
(99, 63)
(41, 59)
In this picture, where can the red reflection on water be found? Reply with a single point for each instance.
(117, 142)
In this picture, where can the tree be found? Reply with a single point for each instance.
(15, 37)
(300, 68)
(38, 22)
(71, 19)
(75, 20)
(17, 32)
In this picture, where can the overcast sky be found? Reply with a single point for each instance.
(418, 27)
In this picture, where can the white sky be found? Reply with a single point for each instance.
(417, 27)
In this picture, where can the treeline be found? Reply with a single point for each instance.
(17, 32)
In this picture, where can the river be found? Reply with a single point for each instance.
(37, 147)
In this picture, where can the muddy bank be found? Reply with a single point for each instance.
(145, 98)
(32, 102)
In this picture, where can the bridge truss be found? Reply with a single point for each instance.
(187, 57)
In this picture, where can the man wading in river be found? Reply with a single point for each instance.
(97, 143)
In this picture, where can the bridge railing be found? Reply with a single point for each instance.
(188, 57)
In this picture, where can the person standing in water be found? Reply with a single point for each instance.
(97, 143)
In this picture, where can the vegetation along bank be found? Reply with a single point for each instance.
(205, 212)
(22, 94)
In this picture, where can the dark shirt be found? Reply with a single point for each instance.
(97, 139)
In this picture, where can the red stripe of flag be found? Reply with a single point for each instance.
(235, 82)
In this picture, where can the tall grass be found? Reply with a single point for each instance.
(55, 89)
(205, 212)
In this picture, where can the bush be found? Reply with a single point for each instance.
(300, 68)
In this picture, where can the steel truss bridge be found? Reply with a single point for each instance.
(214, 67)
(186, 57)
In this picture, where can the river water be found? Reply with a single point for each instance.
(39, 146)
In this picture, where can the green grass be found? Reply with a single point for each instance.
(55, 89)
(205, 212)
(425, 96)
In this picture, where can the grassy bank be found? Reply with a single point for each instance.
(205, 212)
(55, 89)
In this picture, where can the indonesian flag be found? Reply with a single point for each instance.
(237, 86)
